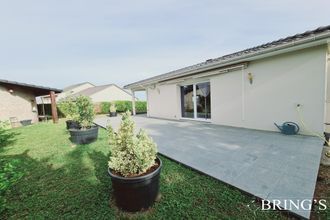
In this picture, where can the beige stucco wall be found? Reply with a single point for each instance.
(164, 101)
(111, 93)
(280, 82)
(18, 104)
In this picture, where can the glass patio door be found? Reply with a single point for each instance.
(187, 102)
(196, 101)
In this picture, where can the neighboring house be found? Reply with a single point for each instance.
(105, 93)
(252, 88)
(18, 100)
(70, 90)
(67, 91)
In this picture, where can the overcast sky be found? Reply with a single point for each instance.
(57, 43)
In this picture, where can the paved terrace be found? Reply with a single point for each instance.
(268, 165)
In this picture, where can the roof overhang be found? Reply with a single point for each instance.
(34, 89)
(316, 40)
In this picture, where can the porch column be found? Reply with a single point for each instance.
(133, 102)
(54, 109)
(148, 115)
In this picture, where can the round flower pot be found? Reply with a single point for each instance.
(70, 124)
(134, 194)
(325, 159)
(84, 136)
(113, 114)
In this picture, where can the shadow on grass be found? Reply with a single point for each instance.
(100, 162)
(65, 192)
(7, 137)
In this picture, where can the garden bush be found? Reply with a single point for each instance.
(68, 108)
(6, 135)
(8, 177)
(141, 107)
(85, 111)
(123, 106)
(130, 154)
(105, 106)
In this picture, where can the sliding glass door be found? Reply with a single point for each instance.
(196, 101)
(203, 100)
(187, 103)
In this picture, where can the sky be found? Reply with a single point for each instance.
(58, 43)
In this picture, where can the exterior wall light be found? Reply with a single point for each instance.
(250, 77)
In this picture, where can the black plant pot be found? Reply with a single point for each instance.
(134, 194)
(26, 122)
(70, 124)
(112, 114)
(84, 136)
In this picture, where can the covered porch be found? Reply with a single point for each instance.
(20, 100)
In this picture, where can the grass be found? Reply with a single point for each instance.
(61, 180)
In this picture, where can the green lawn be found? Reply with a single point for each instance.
(61, 180)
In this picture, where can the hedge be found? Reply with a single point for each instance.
(122, 106)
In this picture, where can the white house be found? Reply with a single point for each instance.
(104, 93)
(70, 90)
(252, 88)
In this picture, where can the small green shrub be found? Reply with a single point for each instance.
(7, 136)
(123, 106)
(4, 125)
(105, 106)
(131, 154)
(141, 106)
(8, 177)
(113, 107)
(85, 110)
(68, 108)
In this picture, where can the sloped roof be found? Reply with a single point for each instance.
(233, 56)
(96, 89)
(68, 88)
(38, 90)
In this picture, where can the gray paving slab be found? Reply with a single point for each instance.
(266, 164)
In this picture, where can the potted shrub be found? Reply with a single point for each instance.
(113, 110)
(69, 109)
(134, 167)
(325, 159)
(87, 132)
